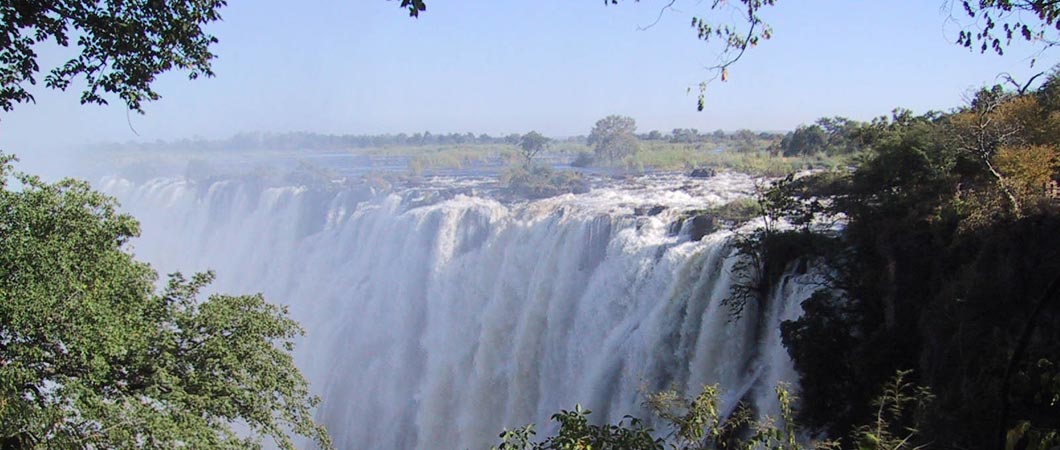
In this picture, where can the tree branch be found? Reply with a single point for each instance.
(659, 17)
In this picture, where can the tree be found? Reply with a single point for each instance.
(91, 356)
(614, 138)
(988, 126)
(684, 135)
(842, 134)
(123, 45)
(805, 140)
(532, 143)
(744, 140)
(938, 270)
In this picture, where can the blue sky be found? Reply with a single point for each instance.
(496, 66)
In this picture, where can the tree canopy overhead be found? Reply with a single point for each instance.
(1030, 20)
(994, 25)
(123, 45)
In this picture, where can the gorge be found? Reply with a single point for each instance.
(436, 315)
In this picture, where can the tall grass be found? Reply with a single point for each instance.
(663, 156)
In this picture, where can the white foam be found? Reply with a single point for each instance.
(437, 326)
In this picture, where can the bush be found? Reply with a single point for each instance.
(583, 159)
(536, 182)
(737, 211)
(699, 424)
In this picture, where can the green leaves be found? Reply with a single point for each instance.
(576, 433)
(695, 424)
(414, 7)
(988, 14)
(899, 408)
(91, 356)
(532, 143)
(613, 138)
(747, 33)
(122, 46)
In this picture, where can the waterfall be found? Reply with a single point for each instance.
(434, 325)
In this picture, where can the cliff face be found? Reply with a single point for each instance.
(437, 324)
(942, 269)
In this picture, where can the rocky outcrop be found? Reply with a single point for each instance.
(648, 210)
(703, 172)
(702, 225)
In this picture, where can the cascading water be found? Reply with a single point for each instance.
(437, 324)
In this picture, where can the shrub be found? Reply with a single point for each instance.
(536, 182)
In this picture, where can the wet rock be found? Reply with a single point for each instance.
(675, 227)
(581, 186)
(648, 210)
(703, 172)
(702, 225)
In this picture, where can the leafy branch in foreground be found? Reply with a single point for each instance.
(122, 46)
(986, 25)
(92, 357)
(736, 38)
(695, 424)
(1031, 20)
(700, 423)
(576, 433)
(898, 411)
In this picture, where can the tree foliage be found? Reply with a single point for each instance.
(530, 144)
(539, 181)
(614, 137)
(92, 357)
(122, 45)
(951, 237)
(992, 25)
(1030, 20)
(414, 7)
(805, 140)
(576, 433)
(899, 410)
(699, 423)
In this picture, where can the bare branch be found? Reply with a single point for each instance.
(662, 11)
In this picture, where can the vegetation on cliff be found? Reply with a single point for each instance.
(945, 272)
(947, 266)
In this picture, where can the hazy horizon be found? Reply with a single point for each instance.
(553, 66)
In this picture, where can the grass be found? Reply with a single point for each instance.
(663, 156)
(434, 157)
(653, 156)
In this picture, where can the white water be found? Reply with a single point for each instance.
(434, 327)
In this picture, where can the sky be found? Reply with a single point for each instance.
(555, 66)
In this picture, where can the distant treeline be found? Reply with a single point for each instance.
(320, 141)
(692, 135)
